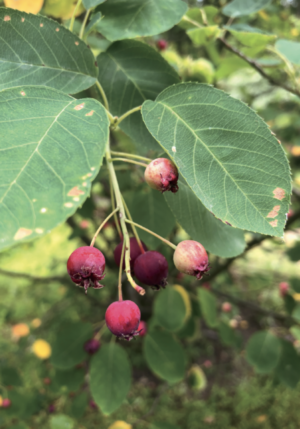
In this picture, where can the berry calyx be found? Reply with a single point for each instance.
(226, 307)
(135, 251)
(92, 346)
(162, 44)
(142, 328)
(161, 174)
(151, 268)
(86, 267)
(191, 258)
(283, 288)
(6, 403)
(123, 318)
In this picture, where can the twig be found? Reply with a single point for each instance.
(32, 278)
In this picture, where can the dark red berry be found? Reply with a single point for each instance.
(93, 404)
(161, 174)
(86, 267)
(142, 328)
(151, 268)
(135, 251)
(162, 44)
(92, 346)
(191, 258)
(6, 403)
(123, 318)
(226, 307)
(283, 288)
(47, 380)
(51, 409)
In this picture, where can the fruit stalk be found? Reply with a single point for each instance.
(129, 112)
(131, 161)
(153, 233)
(133, 227)
(102, 225)
(120, 273)
(112, 196)
(131, 155)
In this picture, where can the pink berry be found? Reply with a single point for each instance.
(151, 268)
(226, 307)
(135, 251)
(162, 44)
(290, 213)
(161, 174)
(47, 380)
(92, 346)
(142, 328)
(207, 364)
(86, 266)
(283, 288)
(6, 403)
(84, 224)
(191, 258)
(123, 318)
(206, 285)
(93, 404)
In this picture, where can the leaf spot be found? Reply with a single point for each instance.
(22, 233)
(43, 210)
(76, 199)
(174, 149)
(34, 200)
(7, 18)
(274, 222)
(279, 193)
(74, 192)
(22, 19)
(79, 106)
(57, 29)
(41, 24)
(39, 230)
(90, 113)
(89, 175)
(279, 141)
(76, 43)
(22, 93)
(84, 184)
(69, 205)
(274, 212)
(93, 168)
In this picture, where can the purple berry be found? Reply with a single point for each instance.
(92, 346)
(191, 258)
(123, 318)
(161, 174)
(162, 44)
(151, 268)
(135, 251)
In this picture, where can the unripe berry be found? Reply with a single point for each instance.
(283, 288)
(86, 266)
(191, 258)
(226, 307)
(162, 44)
(6, 403)
(142, 328)
(123, 318)
(161, 174)
(135, 251)
(151, 268)
(92, 346)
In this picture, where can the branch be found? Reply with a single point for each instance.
(32, 278)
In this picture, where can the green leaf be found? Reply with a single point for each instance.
(165, 356)
(205, 35)
(263, 351)
(149, 209)
(110, 377)
(88, 4)
(79, 405)
(170, 309)
(294, 252)
(288, 369)
(195, 15)
(244, 7)
(289, 49)
(130, 73)
(71, 379)
(295, 284)
(163, 425)
(36, 50)
(296, 312)
(68, 346)
(217, 237)
(208, 306)
(226, 154)
(51, 149)
(295, 331)
(10, 376)
(251, 37)
(126, 19)
(60, 421)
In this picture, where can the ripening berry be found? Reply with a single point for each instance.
(162, 44)
(51, 409)
(93, 404)
(290, 213)
(191, 258)
(283, 288)
(135, 251)
(151, 268)
(226, 307)
(6, 403)
(47, 380)
(20, 330)
(207, 364)
(92, 346)
(86, 267)
(123, 318)
(161, 174)
(142, 328)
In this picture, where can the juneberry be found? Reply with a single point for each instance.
(135, 251)
(123, 318)
(161, 174)
(151, 268)
(283, 288)
(226, 307)
(92, 346)
(6, 403)
(162, 44)
(191, 258)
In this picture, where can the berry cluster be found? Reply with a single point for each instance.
(86, 264)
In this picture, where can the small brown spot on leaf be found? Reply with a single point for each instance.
(274, 212)
(279, 141)
(41, 24)
(22, 19)
(69, 205)
(76, 43)
(74, 192)
(79, 106)
(7, 18)
(89, 175)
(22, 93)
(90, 113)
(273, 223)
(96, 64)
(22, 233)
(279, 193)
(57, 29)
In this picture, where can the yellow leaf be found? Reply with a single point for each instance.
(29, 6)
(61, 8)
(20, 330)
(1, 401)
(186, 298)
(119, 424)
(41, 349)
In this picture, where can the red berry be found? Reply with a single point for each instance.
(51, 409)
(47, 380)
(151, 268)
(161, 174)
(226, 307)
(191, 258)
(207, 364)
(206, 285)
(142, 328)
(6, 403)
(283, 288)
(123, 318)
(162, 44)
(86, 266)
(92, 346)
(135, 251)
(93, 404)
(290, 213)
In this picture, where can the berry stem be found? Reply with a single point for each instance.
(131, 155)
(133, 227)
(112, 195)
(103, 95)
(87, 14)
(74, 13)
(102, 225)
(122, 217)
(153, 233)
(131, 161)
(129, 112)
(120, 273)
